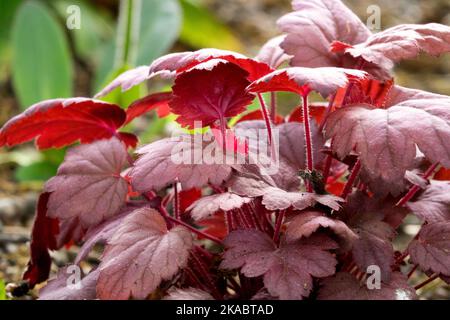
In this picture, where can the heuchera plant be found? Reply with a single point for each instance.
(349, 172)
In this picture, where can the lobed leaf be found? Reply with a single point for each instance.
(60, 122)
(140, 255)
(88, 184)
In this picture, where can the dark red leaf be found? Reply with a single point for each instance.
(317, 112)
(43, 239)
(210, 95)
(257, 115)
(188, 197)
(303, 80)
(60, 122)
(158, 101)
(431, 250)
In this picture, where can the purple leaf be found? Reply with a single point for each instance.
(373, 247)
(431, 250)
(103, 232)
(126, 80)
(179, 157)
(344, 286)
(306, 223)
(314, 26)
(58, 288)
(209, 205)
(88, 184)
(433, 205)
(188, 294)
(140, 255)
(288, 271)
(402, 42)
(394, 134)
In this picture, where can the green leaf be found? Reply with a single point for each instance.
(38, 171)
(3, 290)
(7, 10)
(201, 29)
(159, 29)
(96, 29)
(42, 67)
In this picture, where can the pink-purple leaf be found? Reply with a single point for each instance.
(402, 42)
(373, 246)
(179, 157)
(386, 139)
(344, 286)
(306, 223)
(431, 250)
(126, 80)
(188, 294)
(433, 205)
(88, 184)
(313, 26)
(62, 288)
(140, 255)
(209, 205)
(272, 54)
(288, 270)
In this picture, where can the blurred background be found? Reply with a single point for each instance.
(64, 48)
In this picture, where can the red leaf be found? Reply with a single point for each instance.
(158, 101)
(60, 122)
(257, 115)
(210, 95)
(431, 250)
(443, 174)
(188, 197)
(316, 112)
(287, 270)
(140, 255)
(303, 80)
(88, 184)
(43, 239)
(368, 91)
(344, 286)
(214, 226)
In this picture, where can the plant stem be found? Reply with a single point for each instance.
(176, 200)
(268, 125)
(203, 270)
(278, 224)
(424, 283)
(349, 185)
(414, 189)
(327, 112)
(273, 106)
(410, 273)
(326, 170)
(308, 142)
(194, 230)
(127, 33)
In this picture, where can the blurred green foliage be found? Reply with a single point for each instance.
(44, 59)
(2, 290)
